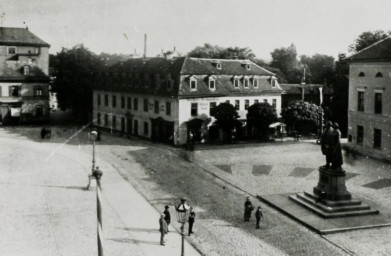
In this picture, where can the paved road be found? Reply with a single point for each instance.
(45, 209)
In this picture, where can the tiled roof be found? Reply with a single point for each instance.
(19, 36)
(13, 71)
(377, 51)
(162, 76)
(308, 88)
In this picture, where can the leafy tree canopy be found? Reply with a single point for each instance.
(319, 68)
(217, 52)
(367, 38)
(226, 115)
(302, 116)
(76, 71)
(261, 114)
(285, 59)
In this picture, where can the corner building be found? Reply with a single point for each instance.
(166, 99)
(370, 100)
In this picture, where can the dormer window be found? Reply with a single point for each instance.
(218, 65)
(361, 74)
(379, 74)
(274, 83)
(236, 83)
(26, 70)
(193, 83)
(255, 83)
(11, 50)
(212, 83)
(246, 82)
(248, 66)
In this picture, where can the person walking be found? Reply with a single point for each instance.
(167, 216)
(258, 216)
(248, 207)
(192, 216)
(162, 228)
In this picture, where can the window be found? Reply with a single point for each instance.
(245, 83)
(98, 99)
(38, 111)
(236, 83)
(193, 85)
(237, 104)
(146, 128)
(14, 91)
(248, 66)
(106, 120)
(114, 103)
(26, 70)
(265, 101)
(256, 101)
(156, 107)
(361, 74)
(145, 104)
(274, 83)
(377, 138)
(379, 74)
(122, 102)
(114, 125)
(246, 104)
(38, 91)
(212, 84)
(360, 134)
(218, 65)
(12, 50)
(212, 105)
(255, 83)
(378, 103)
(227, 101)
(106, 100)
(194, 109)
(135, 104)
(98, 118)
(360, 101)
(129, 103)
(274, 103)
(168, 108)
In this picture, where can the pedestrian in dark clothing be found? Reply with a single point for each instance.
(258, 216)
(167, 216)
(248, 208)
(191, 220)
(162, 228)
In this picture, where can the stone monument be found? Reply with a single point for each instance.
(330, 198)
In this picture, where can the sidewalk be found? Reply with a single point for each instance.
(45, 209)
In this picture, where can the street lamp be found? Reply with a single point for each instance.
(182, 213)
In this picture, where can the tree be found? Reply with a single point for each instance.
(76, 71)
(302, 116)
(259, 117)
(285, 59)
(226, 117)
(319, 68)
(217, 52)
(366, 39)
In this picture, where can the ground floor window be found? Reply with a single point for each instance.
(146, 128)
(106, 120)
(360, 134)
(377, 138)
(98, 119)
(194, 109)
(114, 125)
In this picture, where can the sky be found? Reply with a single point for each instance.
(118, 26)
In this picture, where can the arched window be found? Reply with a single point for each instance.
(361, 74)
(379, 74)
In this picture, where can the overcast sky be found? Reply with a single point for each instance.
(118, 26)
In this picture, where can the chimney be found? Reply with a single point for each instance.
(145, 45)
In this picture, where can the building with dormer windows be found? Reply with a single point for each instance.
(24, 80)
(369, 109)
(177, 95)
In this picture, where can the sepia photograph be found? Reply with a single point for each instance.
(195, 127)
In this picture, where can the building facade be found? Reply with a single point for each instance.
(24, 80)
(171, 99)
(370, 100)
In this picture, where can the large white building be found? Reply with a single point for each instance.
(164, 99)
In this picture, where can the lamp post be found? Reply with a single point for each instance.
(93, 136)
(182, 213)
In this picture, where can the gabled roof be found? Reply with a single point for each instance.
(380, 51)
(20, 36)
(308, 88)
(202, 66)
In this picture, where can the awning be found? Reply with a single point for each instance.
(273, 125)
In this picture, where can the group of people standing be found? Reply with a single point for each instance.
(165, 220)
(331, 146)
(248, 208)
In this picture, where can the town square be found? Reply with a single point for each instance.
(195, 128)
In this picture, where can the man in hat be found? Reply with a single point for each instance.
(192, 216)
(167, 216)
(162, 228)
(258, 216)
(248, 207)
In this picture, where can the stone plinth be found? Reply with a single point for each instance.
(331, 185)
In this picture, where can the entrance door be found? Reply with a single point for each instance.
(123, 124)
(135, 128)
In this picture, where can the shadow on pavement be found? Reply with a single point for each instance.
(149, 230)
(128, 240)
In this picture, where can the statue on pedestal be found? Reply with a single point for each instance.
(326, 144)
(331, 147)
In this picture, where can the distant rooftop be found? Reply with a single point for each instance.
(20, 36)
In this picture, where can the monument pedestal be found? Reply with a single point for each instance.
(330, 198)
